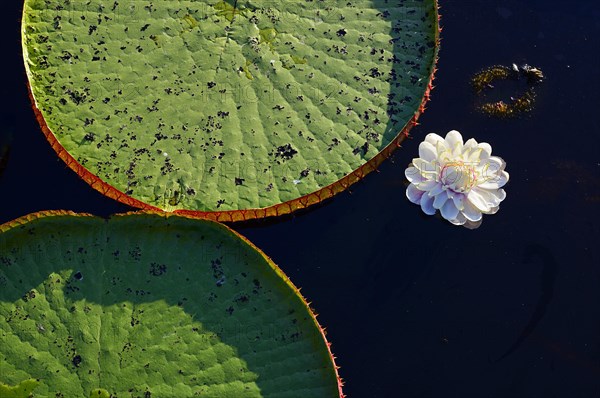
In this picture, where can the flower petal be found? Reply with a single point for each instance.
(413, 175)
(459, 201)
(502, 162)
(495, 182)
(459, 220)
(504, 176)
(440, 199)
(454, 141)
(470, 151)
(470, 144)
(472, 224)
(470, 212)
(414, 194)
(493, 210)
(427, 185)
(497, 162)
(487, 149)
(445, 155)
(498, 195)
(436, 190)
(427, 151)
(474, 156)
(493, 197)
(427, 169)
(478, 200)
(486, 200)
(490, 166)
(427, 205)
(489, 170)
(449, 211)
(433, 139)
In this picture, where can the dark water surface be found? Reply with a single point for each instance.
(414, 306)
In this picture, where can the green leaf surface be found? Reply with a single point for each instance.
(227, 105)
(150, 306)
(22, 390)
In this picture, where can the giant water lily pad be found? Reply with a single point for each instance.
(151, 306)
(238, 109)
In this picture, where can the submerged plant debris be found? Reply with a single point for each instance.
(484, 81)
(157, 97)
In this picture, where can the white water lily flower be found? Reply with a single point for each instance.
(462, 181)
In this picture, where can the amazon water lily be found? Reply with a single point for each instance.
(461, 180)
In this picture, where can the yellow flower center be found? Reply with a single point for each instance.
(458, 176)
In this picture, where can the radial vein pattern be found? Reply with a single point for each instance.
(223, 105)
(148, 306)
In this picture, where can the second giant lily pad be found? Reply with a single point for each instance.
(151, 306)
(227, 109)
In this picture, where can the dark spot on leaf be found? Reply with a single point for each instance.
(157, 269)
(285, 152)
(76, 360)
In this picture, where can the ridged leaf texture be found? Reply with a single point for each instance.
(226, 105)
(149, 306)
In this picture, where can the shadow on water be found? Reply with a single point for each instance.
(5, 143)
(547, 283)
